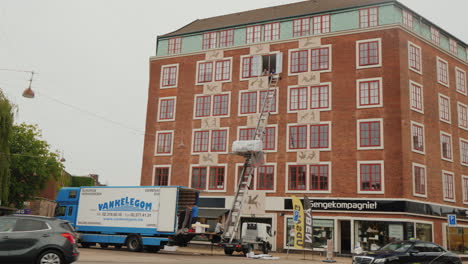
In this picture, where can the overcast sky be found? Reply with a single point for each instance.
(92, 62)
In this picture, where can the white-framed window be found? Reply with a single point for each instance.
(263, 178)
(460, 77)
(321, 24)
(308, 178)
(208, 178)
(218, 39)
(218, 71)
(217, 105)
(464, 152)
(369, 17)
(407, 19)
(462, 116)
(214, 141)
(370, 176)
(257, 65)
(169, 74)
(416, 97)
(251, 102)
(174, 46)
(453, 46)
(370, 134)
(164, 142)
(465, 188)
(161, 175)
(442, 72)
(270, 141)
(301, 27)
(444, 108)
(446, 149)
(316, 59)
(369, 93)
(435, 36)
(260, 33)
(317, 136)
(417, 138)
(167, 109)
(414, 57)
(309, 97)
(368, 53)
(419, 180)
(448, 183)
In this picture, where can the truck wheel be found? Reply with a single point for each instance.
(103, 245)
(134, 244)
(228, 251)
(265, 248)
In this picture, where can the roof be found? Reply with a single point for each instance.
(271, 13)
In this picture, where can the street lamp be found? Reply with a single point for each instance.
(29, 93)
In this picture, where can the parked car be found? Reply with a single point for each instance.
(36, 239)
(411, 251)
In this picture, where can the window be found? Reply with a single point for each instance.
(419, 180)
(174, 46)
(301, 27)
(203, 106)
(446, 146)
(453, 46)
(414, 56)
(319, 136)
(319, 96)
(465, 189)
(442, 72)
(205, 72)
(272, 106)
(218, 39)
(444, 108)
(220, 104)
(407, 19)
(269, 140)
(252, 102)
(266, 178)
(216, 181)
(299, 61)
(320, 59)
(460, 77)
(254, 34)
(369, 17)
(166, 109)
(464, 152)
(254, 66)
(169, 76)
(271, 31)
(164, 143)
(297, 177)
(223, 70)
(370, 93)
(298, 99)
(29, 225)
(319, 177)
(218, 140)
(266, 32)
(462, 116)
(435, 36)
(448, 186)
(298, 137)
(370, 134)
(371, 177)
(201, 141)
(199, 178)
(416, 97)
(417, 134)
(161, 176)
(368, 53)
(321, 24)
(248, 102)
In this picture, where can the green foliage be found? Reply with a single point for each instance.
(78, 181)
(32, 164)
(6, 124)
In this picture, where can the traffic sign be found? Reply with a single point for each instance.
(296, 216)
(452, 220)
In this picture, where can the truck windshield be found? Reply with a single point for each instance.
(60, 211)
(269, 230)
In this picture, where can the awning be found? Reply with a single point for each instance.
(211, 213)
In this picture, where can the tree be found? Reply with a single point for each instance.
(32, 164)
(6, 124)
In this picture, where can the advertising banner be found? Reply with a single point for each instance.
(298, 219)
(308, 224)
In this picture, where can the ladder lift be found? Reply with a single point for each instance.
(252, 160)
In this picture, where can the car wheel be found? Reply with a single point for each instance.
(134, 244)
(50, 257)
(228, 251)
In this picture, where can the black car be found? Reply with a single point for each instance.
(405, 252)
(36, 239)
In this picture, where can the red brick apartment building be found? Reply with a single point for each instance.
(370, 120)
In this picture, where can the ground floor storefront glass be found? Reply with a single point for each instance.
(323, 229)
(371, 235)
(457, 239)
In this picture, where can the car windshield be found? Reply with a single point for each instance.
(397, 246)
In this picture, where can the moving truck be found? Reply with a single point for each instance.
(135, 217)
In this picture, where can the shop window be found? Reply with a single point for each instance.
(464, 152)
(457, 240)
(424, 232)
(442, 72)
(371, 177)
(371, 235)
(446, 146)
(463, 116)
(323, 230)
(319, 177)
(370, 93)
(297, 177)
(444, 108)
(320, 58)
(368, 53)
(407, 19)
(301, 27)
(216, 181)
(369, 17)
(448, 186)
(164, 143)
(414, 57)
(419, 177)
(460, 76)
(257, 65)
(319, 135)
(166, 109)
(161, 176)
(417, 103)
(435, 36)
(370, 133)
(321, 24)
(169, 76)
(298, 137)
(417, 134)
(174, 46)
(453, 46)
